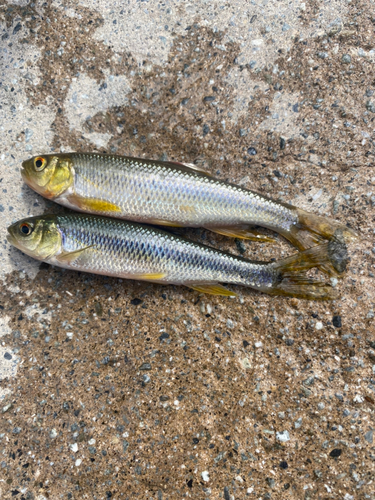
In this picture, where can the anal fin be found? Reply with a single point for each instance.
(213, 289)
(93, 204)
(149, 276)
(70, 257)
(243, 233)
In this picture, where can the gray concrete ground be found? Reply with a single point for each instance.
(116, 390)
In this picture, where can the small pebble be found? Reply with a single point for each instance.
(136, 302)
(283, 436)
(336, 321)
(370, 106)
(346, 59)
(53, 434)
(271, 482)
(205, 476)
(246, 363)
(335, 453)
(298, 423)
(241, 247)
(369, 436)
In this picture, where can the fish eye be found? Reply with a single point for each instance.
(26, 229)
(40, 163)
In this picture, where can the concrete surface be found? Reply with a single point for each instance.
(115, 389)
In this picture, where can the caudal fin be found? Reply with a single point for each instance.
(312, 230)
(291, 280)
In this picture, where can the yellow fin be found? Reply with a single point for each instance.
(149, 276)
(244, 234)
(161, 222)
(213, 289)
(70, 257)
(93, 204)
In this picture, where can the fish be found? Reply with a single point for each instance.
(172, 194)
(129, 250)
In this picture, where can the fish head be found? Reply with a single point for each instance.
(38, 237)
(48, 175)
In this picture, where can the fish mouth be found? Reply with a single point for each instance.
(11, 238)
(24, 174)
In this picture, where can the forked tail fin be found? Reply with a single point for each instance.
(312, 230)
(291, 280)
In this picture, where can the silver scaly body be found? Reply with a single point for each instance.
(130, 250)
(152, 191)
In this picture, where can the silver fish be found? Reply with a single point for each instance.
(128, 250)
(171, 194)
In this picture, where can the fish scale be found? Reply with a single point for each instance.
(145, 189)
(120, 248)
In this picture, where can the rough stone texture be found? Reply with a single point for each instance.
(115, 389)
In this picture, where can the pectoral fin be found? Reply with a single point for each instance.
(149, 276)
(242, 233)
(161, 222)
(93, 204)
(70, 257)
(213, 289)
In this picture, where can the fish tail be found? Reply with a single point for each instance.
(312, 230)
(291, 281)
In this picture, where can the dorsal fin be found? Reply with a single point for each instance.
(189, 166)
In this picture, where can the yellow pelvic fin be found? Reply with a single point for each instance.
(70, 257)
(93, 204)
(213, 289)
(161, 222)
(244, 234)
(149, 276)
